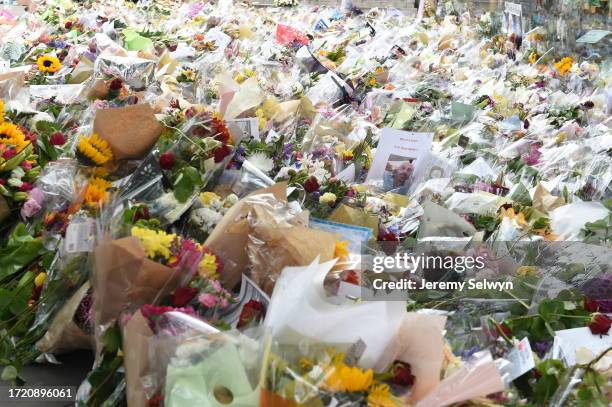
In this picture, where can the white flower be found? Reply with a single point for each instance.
(17, 172)
(206, 217)
(230, 200)
(327, 198)
(261, 162)
(15, 182)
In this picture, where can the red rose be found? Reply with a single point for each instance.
(591, 305)
(141, 213)
(222, 152)
(385, 236)
(68, 25)
(600, 324)
(2, 181)
(402, 375)
(57, 139)
(166, 160)
(311, 185)
(252, 311)
(183, 295)
(116, 84)
(26, 186)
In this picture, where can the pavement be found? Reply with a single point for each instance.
(71, 372)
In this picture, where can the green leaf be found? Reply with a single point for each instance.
(46, 127)
(9, 373)
(112, 339)
(548, 309)
(186, 183)
(20, 250)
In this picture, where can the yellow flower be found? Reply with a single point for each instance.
(341, 249)
(346, 378)
(564, 65)
(11, 135)
(518, 217)
(524, 271)
(207, 197)
(380, 70)
(48, 63)
(347, 155)
(208, 266)
(95, 149)
(372, 81)
(328, 198)
(96, 191)
(533, 57)
(380, 396)
(40, 279)
(155, 242)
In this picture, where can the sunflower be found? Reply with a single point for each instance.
(533, 57)
(94, 149)
(96, 191)
(380, 396)
(48, 63)
(346, 378)
(11, 135)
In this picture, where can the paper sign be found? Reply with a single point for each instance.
(521, 358)
(401, 157)
(243, 128)
(356, 236)
(462, 112)
(593, 36)
(62, 93)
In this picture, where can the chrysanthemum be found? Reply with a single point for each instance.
(208, 266)
(94, 149)
(11, 135)
(48, 64)
(156, 243)
(261, 161)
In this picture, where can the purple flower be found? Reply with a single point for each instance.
(195, 9)
(533, 156)
(33, 204)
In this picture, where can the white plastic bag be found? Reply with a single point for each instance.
(299, 313)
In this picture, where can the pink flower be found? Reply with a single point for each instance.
(224, 302)
(26, 165)
(216, 285)
(33, 204)
(208, 300)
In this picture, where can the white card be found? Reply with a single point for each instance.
(401, 156)
(80, 236)
(521, 358)
(243, 128)
(568, 341)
